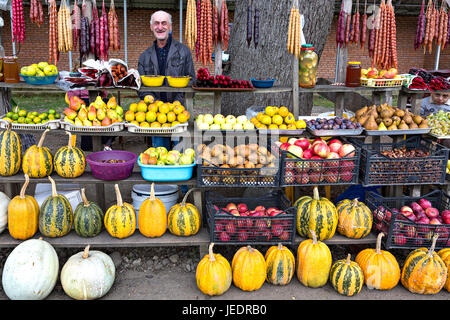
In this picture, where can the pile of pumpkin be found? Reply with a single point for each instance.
(55, 217)
(424, 270)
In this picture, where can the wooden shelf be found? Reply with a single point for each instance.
(104, 240)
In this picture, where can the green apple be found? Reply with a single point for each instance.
(185, 159)
(32, 70)
(42, 65)
(39, 73)
(119, 110)
(160, 163)
(190, 152)
(208, 118)
(241, 119)
(24, 71)
(226, 126)
(248, 125)
(161, 151)
(202, 126)
(171, 158)
(214, 126)
(219, 119)
(199, 118)
(237, 126)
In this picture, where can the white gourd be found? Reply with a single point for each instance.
(30, 271)
(4, 201)
(88, 275)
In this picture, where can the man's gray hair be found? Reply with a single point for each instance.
(161, 11)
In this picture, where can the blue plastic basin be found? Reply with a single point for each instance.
(166, 173)
(268, 83)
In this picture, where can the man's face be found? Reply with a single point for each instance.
(439, 98)
(161, 26)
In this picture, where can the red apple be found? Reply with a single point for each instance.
(432, 212)
(242, 207)
(303, 179)
(230, 227)
(275, 213)
(289, 176)
(424, 203)
(321, 150)
(346, 176)
(291, 141)
(347, 150)
(317, 140)
(331, 176)
(435, 221)
(307, 154)
(285, 146)
(446, 216)
(334, 163)
(231, 206)
(302, 143)
(242, 236)
(415, 207)
(406, 208)
(224, 237)
(260, 208)
(270, 210)
(277, 228)
(234, 212)
(315, 176)
(335, 145)
(400, 240)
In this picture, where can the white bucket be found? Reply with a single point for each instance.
(167, 193)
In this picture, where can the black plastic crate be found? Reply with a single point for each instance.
(300, 172)
(400, 231)
(377, 169)
(226, 228)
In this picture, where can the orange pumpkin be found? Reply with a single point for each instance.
(152, 216)
(445, 256)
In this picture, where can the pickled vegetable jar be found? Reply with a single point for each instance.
(307, 66)
(353, 74)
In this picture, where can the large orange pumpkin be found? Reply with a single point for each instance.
(249, 269)
(445, 256)
(380, 267)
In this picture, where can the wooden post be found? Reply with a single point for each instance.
(341, 57)
(218, 66)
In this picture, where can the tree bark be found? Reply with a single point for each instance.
(270, 59)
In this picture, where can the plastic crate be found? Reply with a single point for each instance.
(402, 232)
(119, 126)
(382, 83)
(300, 172)
(226, 228)
(377, 169)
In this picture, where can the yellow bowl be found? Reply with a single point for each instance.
(178, 82)
(152, 81)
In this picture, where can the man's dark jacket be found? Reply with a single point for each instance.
(179, 63)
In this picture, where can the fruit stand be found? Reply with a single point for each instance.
(303, 153)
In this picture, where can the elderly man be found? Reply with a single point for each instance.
(166, 57)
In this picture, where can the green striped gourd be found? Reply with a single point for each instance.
(355, 219)
(318, 214)
(424, 272)
(280, 265)
(38, 160)
(69, 161)
(346, 277)
(56, 215)
(183, 218)
(10, 152)
(88, 217)
(120, 219)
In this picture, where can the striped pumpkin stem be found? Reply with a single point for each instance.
(183, 203)
(86, 252)
(41, 140)
(316, 195)
(211, 253)
(433, 244)
(24, 187)
(280, 246)
(378, 247)
(83, 197)
(355, 202)
(314, 236)
(8, 125)
(118, 195)
(69, 145)
(249, 248)
(54, 193)
(348, 259)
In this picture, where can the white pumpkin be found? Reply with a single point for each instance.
(4, 201)
(88, 275)
(30, 271)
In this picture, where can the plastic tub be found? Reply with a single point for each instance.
(167, 193)
(39, 80)
(111, 171)
(178, 82)
(263, 83)
(153, 81)
(166, 173)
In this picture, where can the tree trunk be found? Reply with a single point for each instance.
(270, 59)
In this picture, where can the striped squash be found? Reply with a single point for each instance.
(354, 219)
(318, 214)
(346, 277)
(249, 269)
(120, 219)
(424, 272)
(88, 217)
(10, 152)
(213, 274)
(69, 161)
(183, 218)
(38, 160)
(56, 215)
(380, 267)
(23, 214)
(313, 262)
(280, 265)
(152, 217)
(445, 256)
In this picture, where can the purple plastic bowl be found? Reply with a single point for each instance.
(111, 171)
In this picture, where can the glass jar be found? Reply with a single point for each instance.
(11, 69)
(353, 74)
(307, 67)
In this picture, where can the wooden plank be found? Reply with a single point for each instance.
(339, 104)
